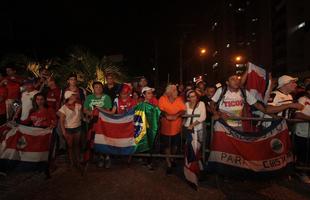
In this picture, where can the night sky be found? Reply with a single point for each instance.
(42, 29)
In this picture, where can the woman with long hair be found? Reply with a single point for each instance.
(40, 115)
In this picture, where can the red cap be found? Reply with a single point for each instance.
(126, 89)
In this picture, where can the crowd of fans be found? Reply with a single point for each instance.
(41, 102)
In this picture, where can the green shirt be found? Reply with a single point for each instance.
(92, 101)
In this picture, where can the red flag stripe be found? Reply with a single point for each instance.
(28, 143)
(260, 150)
(122, 130)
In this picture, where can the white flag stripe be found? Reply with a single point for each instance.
(13, 154)
(258, 166)
(259, 71)
(122, 120)
(116, 142)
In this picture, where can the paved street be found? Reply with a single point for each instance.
(137, 182)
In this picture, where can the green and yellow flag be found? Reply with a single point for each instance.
(146, 119)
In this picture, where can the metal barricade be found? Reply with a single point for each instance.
(157, 150)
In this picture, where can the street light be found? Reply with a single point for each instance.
(203, 51)
(238, 58)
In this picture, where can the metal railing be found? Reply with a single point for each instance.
(157, 150)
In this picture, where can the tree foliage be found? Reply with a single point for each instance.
(79, 60)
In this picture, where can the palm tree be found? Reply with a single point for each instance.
(89, 67)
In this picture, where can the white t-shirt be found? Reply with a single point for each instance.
(278, 98)
(200, 110)
(232, 103)
(302, 129)
(73, 117)
(27, 103)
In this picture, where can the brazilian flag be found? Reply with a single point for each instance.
(146, 119)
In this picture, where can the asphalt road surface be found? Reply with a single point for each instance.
(137, 182)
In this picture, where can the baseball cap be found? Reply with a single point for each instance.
(144, 89)
(68, 94)
(285, 79)
(125, 88)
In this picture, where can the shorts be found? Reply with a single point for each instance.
(72, 131)
(170, 141)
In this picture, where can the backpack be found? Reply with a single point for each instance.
(224, 90)
(246, 111)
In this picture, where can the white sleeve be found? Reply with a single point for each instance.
(302, 100)
(202, 109)
(62, 110)
(217, 95)
(250, 98)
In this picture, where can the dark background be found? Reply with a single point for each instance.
(137, 30)
(148, 33)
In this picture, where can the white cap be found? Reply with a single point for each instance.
(218, 85)
(144, 89)
(68, 94)
(285, 79)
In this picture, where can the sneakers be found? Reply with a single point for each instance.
(107, 162)
(100, 163)
(104, 161)
(304, 178)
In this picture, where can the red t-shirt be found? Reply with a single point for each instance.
(3, 95)
(153, 101)
(124, 105)
(13, 87)
(53, 98)
(41, 118)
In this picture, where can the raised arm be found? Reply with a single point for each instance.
(244, 76)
